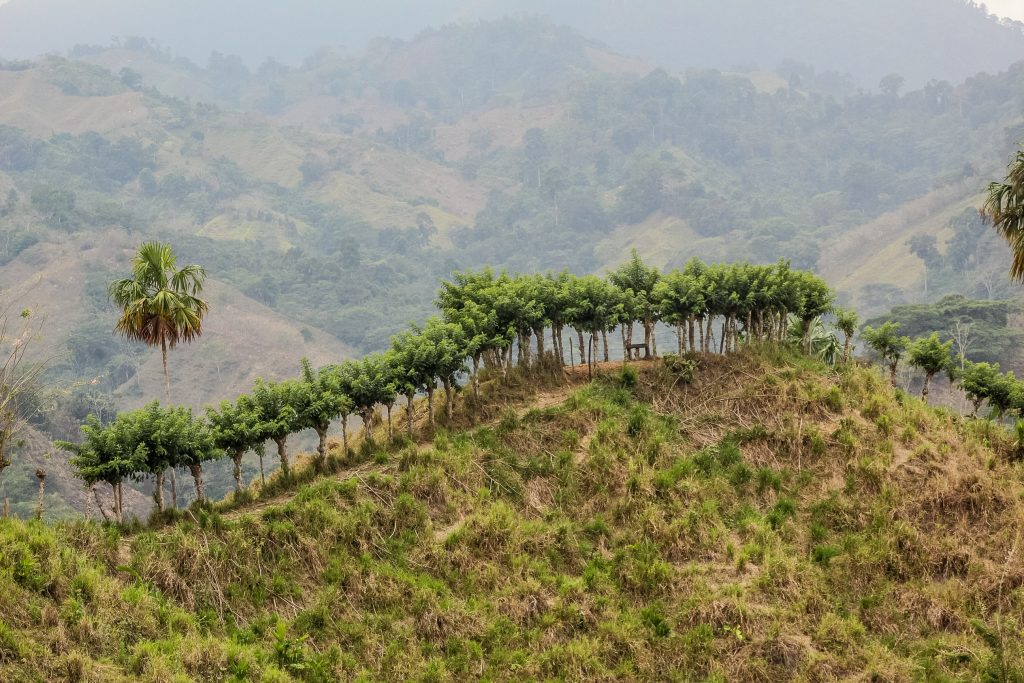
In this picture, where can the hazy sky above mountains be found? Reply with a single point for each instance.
(921, 39)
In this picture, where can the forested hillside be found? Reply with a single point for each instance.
(326, 199)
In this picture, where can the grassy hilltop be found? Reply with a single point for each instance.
(772, 519)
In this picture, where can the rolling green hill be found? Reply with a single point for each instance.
(774, 520)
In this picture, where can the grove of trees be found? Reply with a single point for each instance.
(487, 322)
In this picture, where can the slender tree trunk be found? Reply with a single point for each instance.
(475, 381)
(892, 373)
(700, 328)
(174, 489)
(116, 495)
(647, 340)
(236, 470)
(99, 503)
(449, 398)
(430, 403)
(625, 345)
(721, 342)
(282, 453)
(367, 416)
(679, 337)
(409, 398)
(197, 476)
(263, 472)
(41, 498)
(604, 341)
(167, 377)
(583, 350)
(689, 333)
(539, 334)
(654, 340)
(321, 446)
(158, 491)
(927, 382)
(344, 434)
(391, 429)
(590, 369)
(846, 349)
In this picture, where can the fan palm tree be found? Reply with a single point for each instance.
(1005, 208)
(160, 303)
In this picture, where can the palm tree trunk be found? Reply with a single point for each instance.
(167, 377)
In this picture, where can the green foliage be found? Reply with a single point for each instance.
(160, 304)
(887, 344)
(931, 355)
(1005, 209)
(984, 324)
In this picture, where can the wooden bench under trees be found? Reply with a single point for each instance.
(634, 348)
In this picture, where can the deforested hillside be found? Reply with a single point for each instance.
(760, 517)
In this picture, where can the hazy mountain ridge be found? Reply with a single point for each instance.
(921, 39)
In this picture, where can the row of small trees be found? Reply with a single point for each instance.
(983, 383)
(929, 354)
(487, 321)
